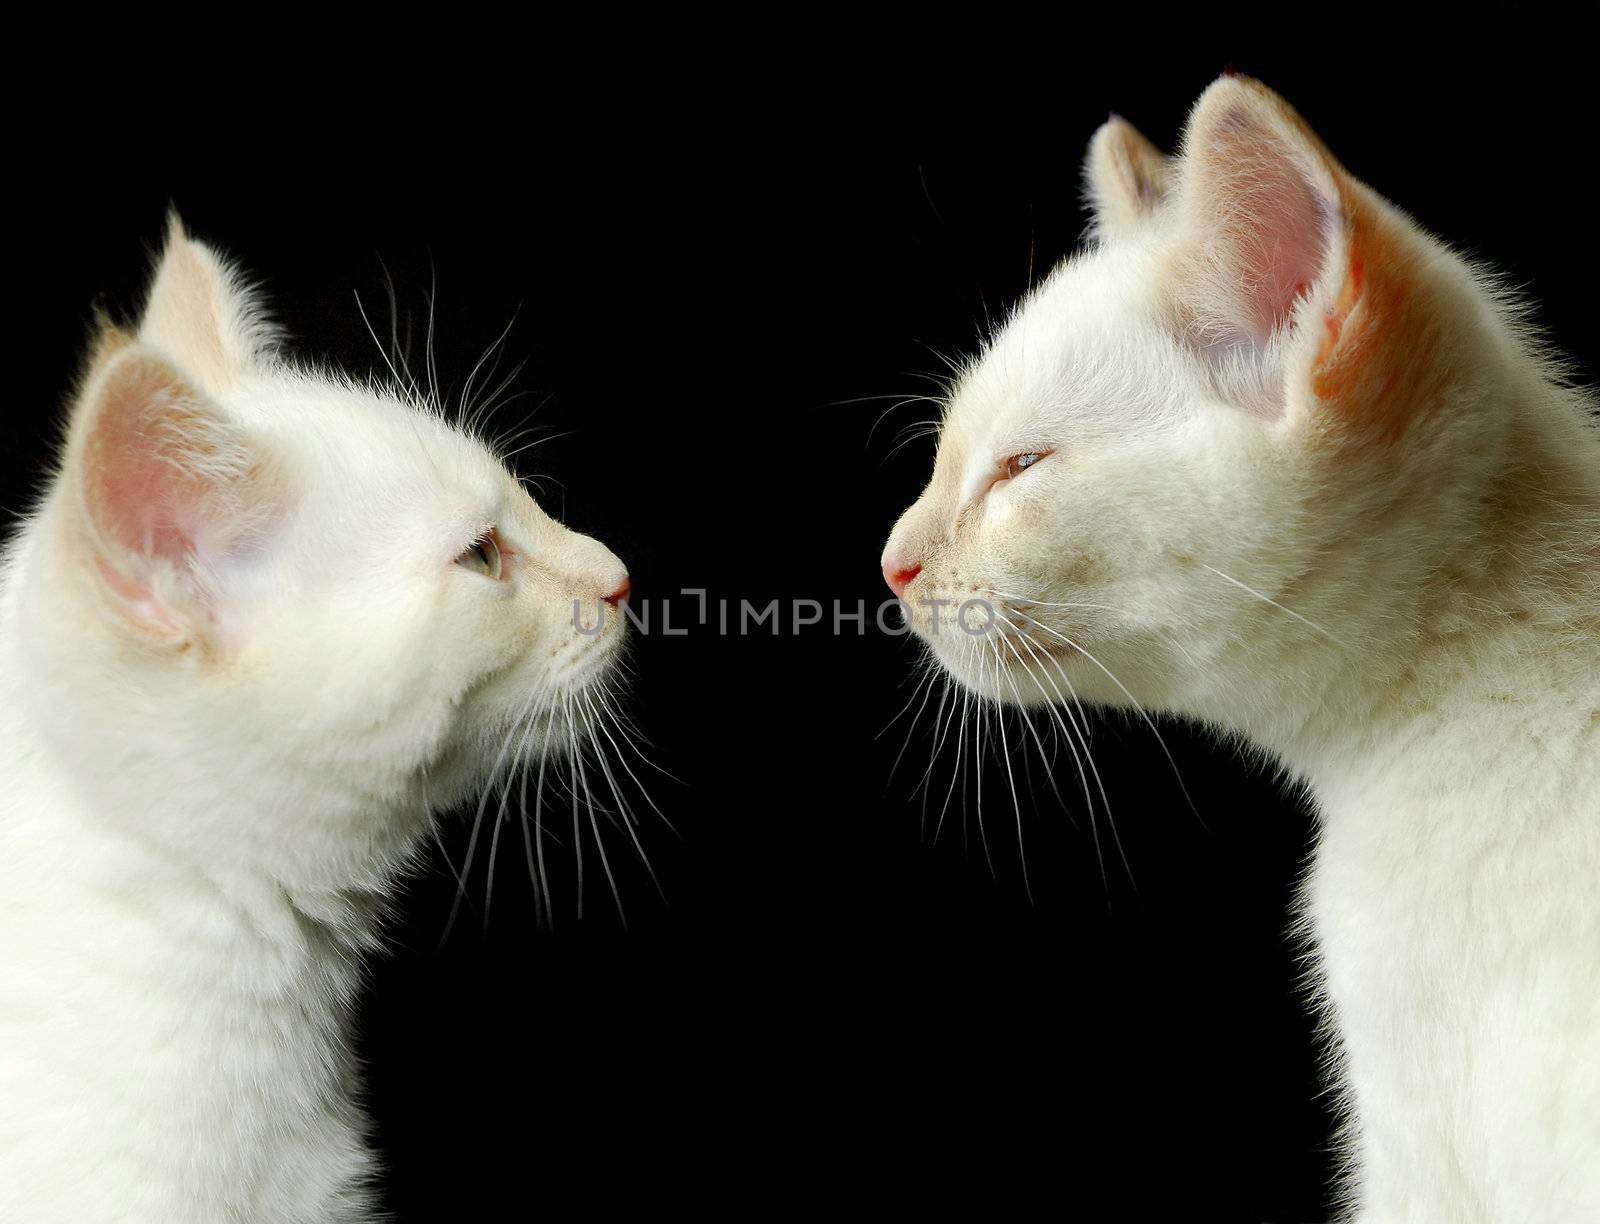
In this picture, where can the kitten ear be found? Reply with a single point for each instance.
(1125, 178)
(1287, 257)
(201, 315)
(1261, 202)
(177, 503)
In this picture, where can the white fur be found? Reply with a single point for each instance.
(1428, 664)
(215, 769)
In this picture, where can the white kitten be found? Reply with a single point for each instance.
(1270, 457)
(264, 619)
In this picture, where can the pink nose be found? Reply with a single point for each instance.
(898, 579)
(620, 594)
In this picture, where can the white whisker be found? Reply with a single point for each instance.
(1005, 748)
(1139, 709)
(1266, 599)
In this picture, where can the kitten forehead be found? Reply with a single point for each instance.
(1084, 353)
(363, 436)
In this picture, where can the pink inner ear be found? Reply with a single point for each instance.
(142, 495)
(176, 494)
(1275, 221)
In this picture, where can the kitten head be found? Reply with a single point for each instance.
(1213, 447)
(258, 582)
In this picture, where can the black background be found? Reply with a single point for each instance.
(830, 1010)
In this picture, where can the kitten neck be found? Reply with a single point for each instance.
(1514, 588)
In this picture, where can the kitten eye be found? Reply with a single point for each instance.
(482, 556)
(1018, 464)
